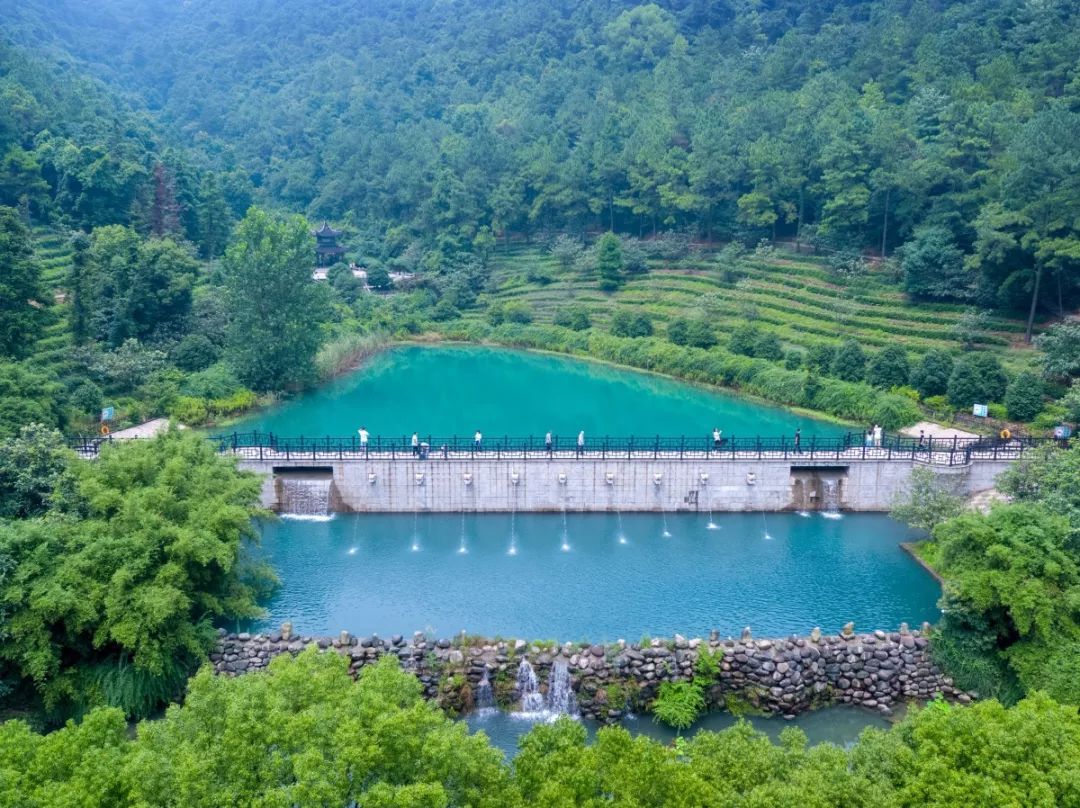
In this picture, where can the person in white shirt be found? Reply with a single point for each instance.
(363, 439)
(547, 442)
(477, 440)
(580, 442)
(877, 434)
(716, 438)
(416, 444)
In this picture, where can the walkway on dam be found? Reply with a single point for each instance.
(849, 448)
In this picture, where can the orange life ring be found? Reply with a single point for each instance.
(104, 429)
(1005, 434)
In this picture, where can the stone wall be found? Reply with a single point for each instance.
(782, 676)
(490, 485)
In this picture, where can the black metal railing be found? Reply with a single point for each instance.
(850, 446)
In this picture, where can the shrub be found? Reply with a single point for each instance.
(379, 278)
(820, 357)
(931, 376)
(893, 411)
(444, 310)
(1023, 398)
(87, 397)
(768, 347)
(793, 360)
(977, 378)
(575, 318)
(629, 324)
(700, 334)
(888, 368)
(744, 340)
(849, 363)
(217, 381)
(678, 331)
(195, 352)
(189, 410)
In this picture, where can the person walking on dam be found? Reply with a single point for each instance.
(547, 443)
(716, 438)
(363, 439)
(416, 444)
(478, 441)
(798, 440)
(580, 442)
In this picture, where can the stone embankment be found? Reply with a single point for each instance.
(878, 670)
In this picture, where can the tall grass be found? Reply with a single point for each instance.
(344, 352)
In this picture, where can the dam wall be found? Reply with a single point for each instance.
(482, 485)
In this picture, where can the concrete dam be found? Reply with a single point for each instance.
(775, 475)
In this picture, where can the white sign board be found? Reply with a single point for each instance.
(979, 410)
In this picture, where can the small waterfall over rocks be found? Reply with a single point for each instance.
(305, 498)
(485, 696)
(560, 696)
(528, 686)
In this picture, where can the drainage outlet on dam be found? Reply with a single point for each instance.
(818, 488)
(304, 490)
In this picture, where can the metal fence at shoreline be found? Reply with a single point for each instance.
(849, 447)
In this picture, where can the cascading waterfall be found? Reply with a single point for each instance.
(830, 500)
(306, 498)
(528, 687)
(485, 696)
(560, 698)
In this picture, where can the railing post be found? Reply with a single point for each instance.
(682, 447)
(757, 439)
(630, 448)
(656, 448)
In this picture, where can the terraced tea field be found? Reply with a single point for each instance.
(794, 296)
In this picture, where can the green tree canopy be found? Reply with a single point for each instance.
(22, 298)
(274, 305)
(112, 599)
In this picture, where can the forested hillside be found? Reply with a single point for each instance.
(845, 122)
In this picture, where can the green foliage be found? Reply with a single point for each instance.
(820, 357)
(1024, 396)
(976, 378)
(678, 704)
(1013, 586)
(131, 288)
(1060, 345)
(768, 347)
(934, 266)
(115, 595)
(28, 396)
(849, 363)
(626, 323)
(609, 261)
(195, 352)
(22, 298)
(931, 376)
(888, 368)
(1047, 475)
(34, 472)
(576, 318)
(744, 340)
(273, 303)
(379, 279)
(927, 501)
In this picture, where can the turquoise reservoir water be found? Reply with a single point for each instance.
(456, 390)
(839, 724)
(619, 577)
